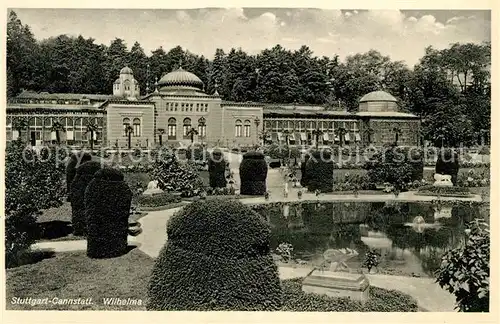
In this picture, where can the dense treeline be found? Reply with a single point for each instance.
(449, 88)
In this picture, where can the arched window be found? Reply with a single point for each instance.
(126, 123)
(127, 85)
(137, 127)
(246, 128)
(186, 127)
(237, 128)
(172, 128)
(202, 127)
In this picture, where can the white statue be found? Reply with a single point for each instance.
(152, 188)
(442, 180)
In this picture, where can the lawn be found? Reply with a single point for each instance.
(74, 275)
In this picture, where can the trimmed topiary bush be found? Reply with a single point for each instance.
(107, 206)
(217, 170)
(84, 174)
(74, 161)
(448, 163)
(253, 174)
(392, 166)
(217, 258)
(319, 170)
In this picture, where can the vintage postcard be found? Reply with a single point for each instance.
(269, 160)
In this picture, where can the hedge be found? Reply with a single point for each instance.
(253, 174)
(217, 258)
(84, 174)
(107, 207)
(448, 163)
(217, 170)
(74, 161)
(157, 200)
(319, 170)
(381, 300)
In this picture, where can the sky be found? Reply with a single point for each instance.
(401, 34)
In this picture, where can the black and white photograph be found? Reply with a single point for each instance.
(249, 159)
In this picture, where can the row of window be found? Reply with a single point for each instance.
(242, 129)
(134, 128)
(175, 106)
(303, 125)
(187, 128)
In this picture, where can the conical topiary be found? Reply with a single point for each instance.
(74, 161)
(217, 257)
(217, 170)
(84, 174)
(448, 163)
(107, 206)
(253, 174)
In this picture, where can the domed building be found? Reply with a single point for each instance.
(126, 86)
(179, 111)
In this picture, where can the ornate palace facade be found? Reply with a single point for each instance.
(179, 111)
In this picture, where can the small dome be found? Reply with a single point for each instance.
(126, 70)
(378, 96)
(180, 78)
(117, 81)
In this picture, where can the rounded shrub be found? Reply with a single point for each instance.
(253, 174)
(319, 170)
(74, 161)
(84, 174)
(107, 207)
(448, 163)
(217, 258)
(217, 170)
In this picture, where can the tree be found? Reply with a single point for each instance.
(161, 132)
(116, 56)
(191, 133)
(129, 130)
(20, 125)
(317, 133)
(92, 129)
(22, 57)
(33, 182)
(138, 62)
(57, 127)
(448, 125)
(397, 132)
(216, 71)
(369, 132)
(465, 270)
(340, 132)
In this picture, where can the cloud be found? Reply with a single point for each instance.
(326, 32)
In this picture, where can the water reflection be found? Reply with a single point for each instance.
(411, 237)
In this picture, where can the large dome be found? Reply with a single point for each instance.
(180, 78)
(378, 96)
(126, 70)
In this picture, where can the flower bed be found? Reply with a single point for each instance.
(381, 300)
(444, 191)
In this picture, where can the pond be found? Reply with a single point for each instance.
(411, 237)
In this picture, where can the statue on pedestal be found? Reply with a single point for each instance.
(152, 188)
(442, 180)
